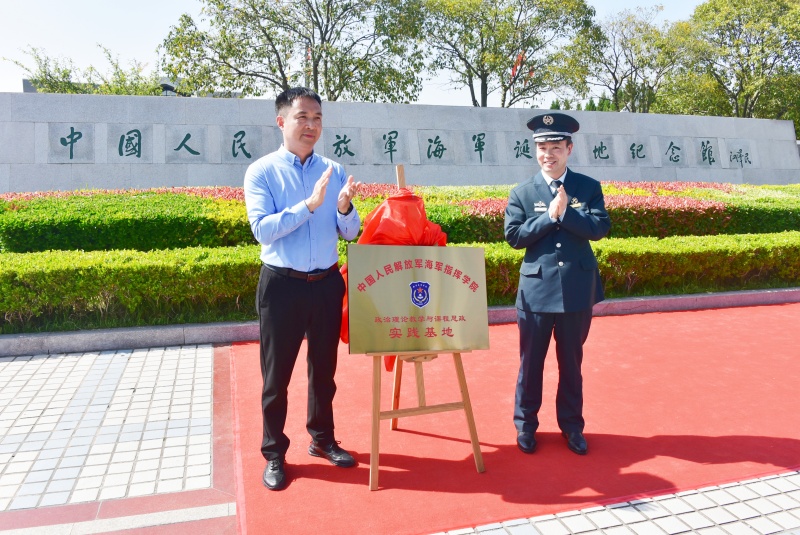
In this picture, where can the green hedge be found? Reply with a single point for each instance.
(634, 217)
(677, 265)
(636, 209)
(688, 264)
(164, 220)
(463, 227)
(142, 221)
(760, 218)
(66, 290)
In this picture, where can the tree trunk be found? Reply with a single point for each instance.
(472, 90)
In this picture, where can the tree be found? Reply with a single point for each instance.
(59, 75)
(604, 103)
(747, 47)
(689, 92)
(653, 54)
(515, 47)
(634, 57)
(782, 99)
(343, 49)
(609, 66)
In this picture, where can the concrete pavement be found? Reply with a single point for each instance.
(108, 431)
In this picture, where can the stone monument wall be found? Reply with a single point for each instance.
(68, 142)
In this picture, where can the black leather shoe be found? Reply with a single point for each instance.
(526, 442)
(274, 477)
(333, 453)
(576, 442)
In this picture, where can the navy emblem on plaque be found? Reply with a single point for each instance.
(420, 293)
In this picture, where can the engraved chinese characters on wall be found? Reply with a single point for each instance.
(70, 142)
(344, 145)
(740, 154)
(436, 147)
(390, 146)
(129, 143)
(241, 144)
(601, 150)
(674, 151)
(186, 144)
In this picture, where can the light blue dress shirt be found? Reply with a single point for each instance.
(275, 189)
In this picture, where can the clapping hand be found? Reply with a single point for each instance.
(321, 186)
(559, 203)
(347, 193)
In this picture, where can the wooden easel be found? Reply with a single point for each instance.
(418, 358)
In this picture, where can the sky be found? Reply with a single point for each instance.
(132, 31)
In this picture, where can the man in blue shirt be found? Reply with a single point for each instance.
(298, 204)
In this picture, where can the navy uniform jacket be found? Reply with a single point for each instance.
(559, 272)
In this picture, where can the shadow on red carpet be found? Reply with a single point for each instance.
(673, 401)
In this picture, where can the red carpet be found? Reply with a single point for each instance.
(672, 401)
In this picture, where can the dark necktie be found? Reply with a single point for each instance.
(556, 185)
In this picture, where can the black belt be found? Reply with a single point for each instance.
(310, 276)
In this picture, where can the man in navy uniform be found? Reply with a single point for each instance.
(554, 216)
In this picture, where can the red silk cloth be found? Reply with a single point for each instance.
(399, 220)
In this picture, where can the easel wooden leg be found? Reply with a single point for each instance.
(420, 383)
(376, 420)
(398, 378)
(473, 432)
(418, 358)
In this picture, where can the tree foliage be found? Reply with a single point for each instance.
(60, 75)
(515, 47)
(688, 92)
(782, 99)
(634, 57)
(748, 47)
(343, 49)
(736, 58)
(602, 104)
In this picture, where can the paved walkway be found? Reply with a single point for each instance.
(135, 440)
(96, 426)
(103, 441)
(140, 441)
(762, 506)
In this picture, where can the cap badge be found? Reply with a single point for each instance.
(548, 120)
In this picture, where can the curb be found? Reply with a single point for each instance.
(13, 345)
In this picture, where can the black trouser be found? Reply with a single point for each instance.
(570, 331)
(288, 310)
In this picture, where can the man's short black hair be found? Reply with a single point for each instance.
(287, 98)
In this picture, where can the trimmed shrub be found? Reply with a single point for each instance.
(188, 217)
(141, 220)
(676, 265)
(63, 290)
